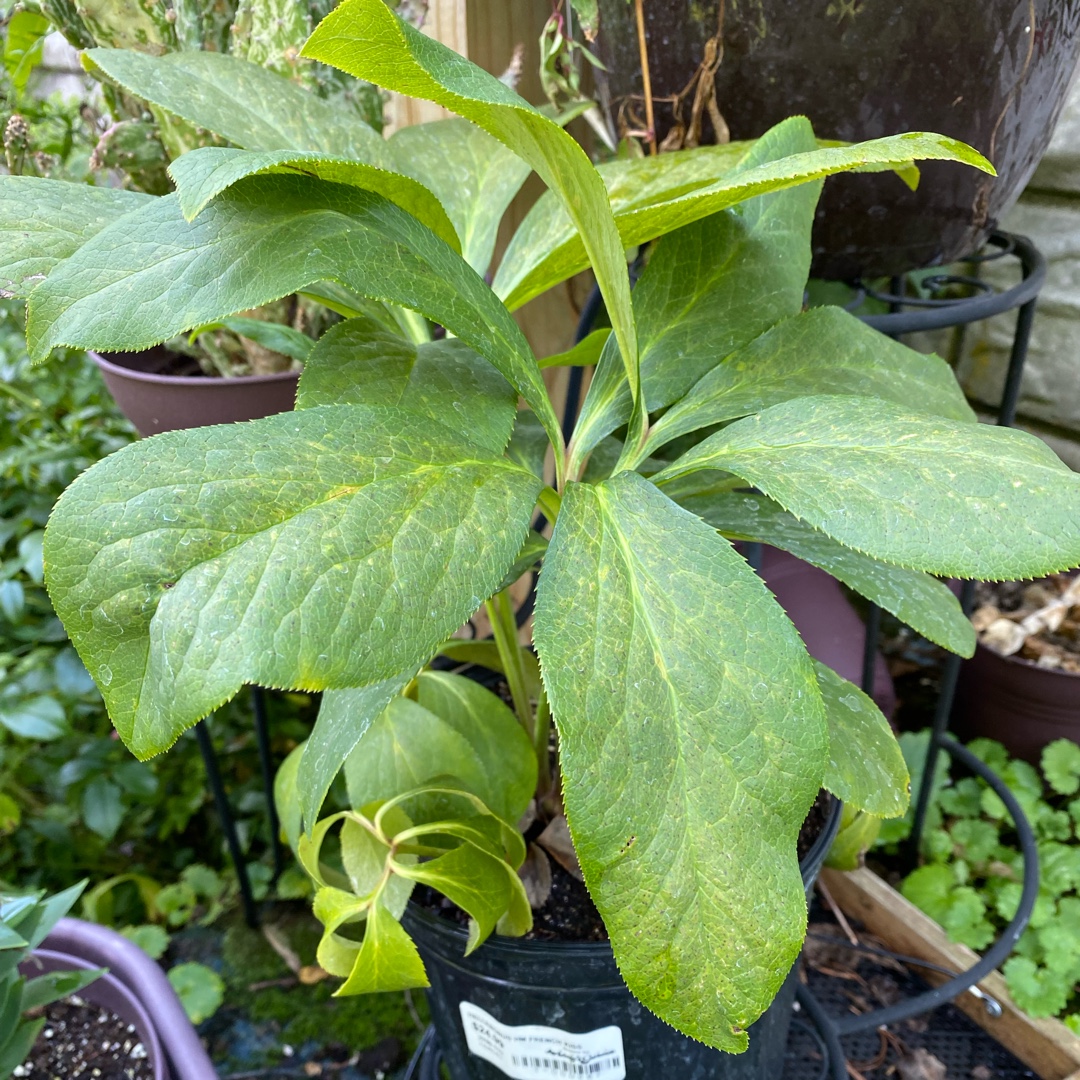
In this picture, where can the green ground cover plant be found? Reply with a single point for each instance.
(973, 871)
(339, 547)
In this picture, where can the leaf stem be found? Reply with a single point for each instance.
(413, 325)
(550, 502)
(504, 629)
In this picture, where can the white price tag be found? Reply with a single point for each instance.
(532, 1052)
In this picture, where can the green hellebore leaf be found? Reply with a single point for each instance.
(359, 362)
(927, 605)
(43, 221)
(175, 563)
(692, 741)
(551, 255)
(584, 354)
(474, 176)
(366, 39)
(825, 348)
(630, 183)
(474, 880)
(152, 274)
(240, 101)
(386, 960)
(203, 174)
(694, 305)
(949, 498)
(455, 728)
(866, 768)
(344, 717)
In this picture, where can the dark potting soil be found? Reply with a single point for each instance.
(84, 1042)
(569, 913)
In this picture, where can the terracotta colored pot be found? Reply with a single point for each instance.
(134, 988)
(156, 402)
(1016, 702)
(985, 73)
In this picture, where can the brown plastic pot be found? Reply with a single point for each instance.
(985, 73)
(156, 402)
(1016, 702)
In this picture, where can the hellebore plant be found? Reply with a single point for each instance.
(339, 547)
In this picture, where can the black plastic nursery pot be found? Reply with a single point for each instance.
(993, 74)
(155, 400)
(134, 988)
(545, 1009)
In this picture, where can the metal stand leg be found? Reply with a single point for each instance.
(266, 765)
(228, 825)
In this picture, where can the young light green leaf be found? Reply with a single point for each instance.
(680, 690)
(344, 717)
(949, 498)
(539, 265)
(474, 176)
(152, 274)
(501, 744)
(457, 729)
(927, 605)
(866, 767)
(359, 362)
(1037, 990)
(366, 39)
(203, 174)
(240, 101)
(172, 563)
(473, 879)
(824, 347)
(694, 308)
(387, 958)
(364, 857)
(43, 221)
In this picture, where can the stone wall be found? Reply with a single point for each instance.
(1048, 213)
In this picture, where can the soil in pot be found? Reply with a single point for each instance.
(1021, 686)
(81, 1040)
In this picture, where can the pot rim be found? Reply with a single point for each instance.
(122, 372)
(810, 865)
(1028, 665)
(60, 959)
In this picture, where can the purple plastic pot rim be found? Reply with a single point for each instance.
(187, 380)
(106, 985)
(185, 1057)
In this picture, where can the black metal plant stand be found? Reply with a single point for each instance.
(908, 313)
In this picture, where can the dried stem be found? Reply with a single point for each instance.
(643, 50)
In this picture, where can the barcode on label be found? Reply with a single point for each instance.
(535, 1052)
(568, 1068)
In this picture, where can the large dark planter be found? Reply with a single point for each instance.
(134, 988)
(576, 988)
(1016, 702)
(156, 402)
(985, 73)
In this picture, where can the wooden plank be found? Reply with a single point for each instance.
(1046, 1046)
